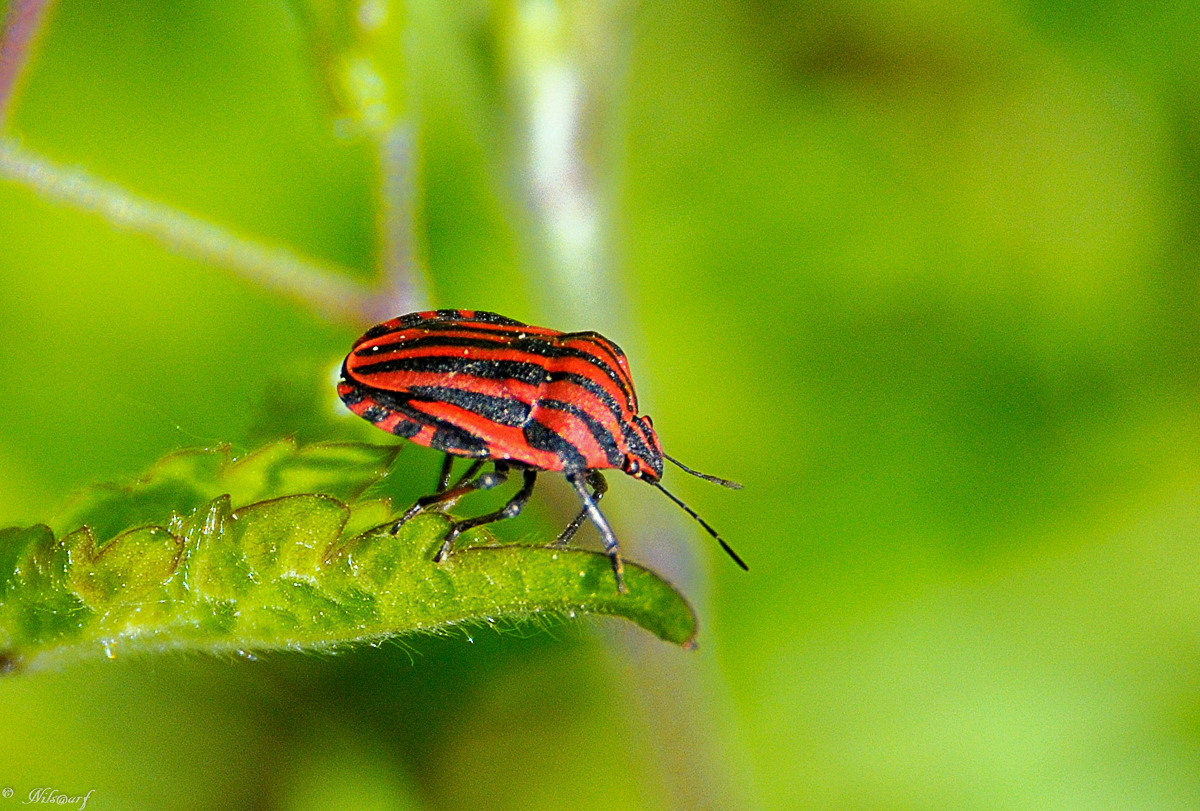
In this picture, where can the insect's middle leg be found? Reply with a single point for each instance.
(510, 510)
(448, 468)
(485, 481)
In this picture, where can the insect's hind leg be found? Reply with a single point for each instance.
(466, 484)
(510, 510)
(599, 487)
(611, 547)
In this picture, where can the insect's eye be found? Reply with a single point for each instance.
(632, 466)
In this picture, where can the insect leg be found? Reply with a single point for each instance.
(447, 468)
(510, 510)
(485, 481)
(599, 487)
(611, 547)
(471, 471)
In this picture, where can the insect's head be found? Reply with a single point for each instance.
(645, 457)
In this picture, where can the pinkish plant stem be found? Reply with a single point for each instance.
(322, 287)
(402, 286)
(22, 25)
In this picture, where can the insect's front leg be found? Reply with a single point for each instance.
(611, 547)
(599, 487)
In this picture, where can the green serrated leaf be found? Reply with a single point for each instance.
(286, 570)
(180, 483)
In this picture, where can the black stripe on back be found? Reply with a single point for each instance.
(522, 371)
(542, 438)
(452, 439)
(377, 412)
(394, 401)
(486, 317)
(439, 317)
(602, 436)
(614, 351)
(502, 410)
(440, 327)
(503, 340)
(447, 436)
(595, 390)
(402, 322)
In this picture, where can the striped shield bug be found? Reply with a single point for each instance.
(478, 385)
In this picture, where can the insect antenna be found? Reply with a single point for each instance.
(699, 475)
(728, 549)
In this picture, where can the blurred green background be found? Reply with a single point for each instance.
(923, 276)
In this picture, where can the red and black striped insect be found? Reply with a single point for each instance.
(478, 385)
